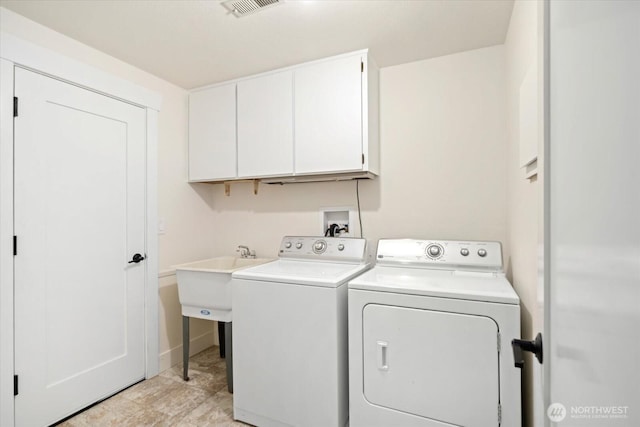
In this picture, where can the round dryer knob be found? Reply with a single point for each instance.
(299, 245)
(341, 247)
(482, 252)
(464, 251)
(287, 245)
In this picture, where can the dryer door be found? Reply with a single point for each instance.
(437, 365)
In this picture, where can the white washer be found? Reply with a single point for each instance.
(290, 342)
(430, 330)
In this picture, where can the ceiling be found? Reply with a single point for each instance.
(192, 43)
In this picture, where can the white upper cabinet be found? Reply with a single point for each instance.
(328, 116)
(336, 117)
(265, 126)
(313, 121)
(212, 134)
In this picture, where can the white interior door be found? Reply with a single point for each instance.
(593, 307)
(79, 219)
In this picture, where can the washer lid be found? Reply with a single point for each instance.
(474, 286)
(312, 273)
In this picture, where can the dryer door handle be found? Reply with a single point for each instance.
(382, 355)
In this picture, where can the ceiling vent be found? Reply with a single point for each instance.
(247, 7)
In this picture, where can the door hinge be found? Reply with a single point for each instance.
(499, 342)
(362, 66)
(363, 158)
(15, 106)
(15, 245)
(15, 385)
(499, 414)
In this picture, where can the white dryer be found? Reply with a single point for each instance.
(430, 330)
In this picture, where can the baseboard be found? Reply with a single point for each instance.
(173, 356)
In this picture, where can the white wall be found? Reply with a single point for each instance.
(443, 165)
(523, 53)
(443, 168)
(183, 207)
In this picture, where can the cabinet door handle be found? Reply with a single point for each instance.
(382, 355)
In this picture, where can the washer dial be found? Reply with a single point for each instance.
(319, 246)
(434, 251)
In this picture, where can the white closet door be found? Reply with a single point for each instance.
(265, 125)
(592, 342)
(79, 219)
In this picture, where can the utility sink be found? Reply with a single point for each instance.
(204, 287)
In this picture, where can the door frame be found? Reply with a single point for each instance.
(16, 52)
(545, 274)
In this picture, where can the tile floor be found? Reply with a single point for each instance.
(167, 400)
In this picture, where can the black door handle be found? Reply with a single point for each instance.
(534, 347)
(136, 258)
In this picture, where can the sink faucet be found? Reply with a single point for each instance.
(245, 252)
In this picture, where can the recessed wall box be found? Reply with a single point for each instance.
(343, 217)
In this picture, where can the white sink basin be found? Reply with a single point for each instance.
(204, 287)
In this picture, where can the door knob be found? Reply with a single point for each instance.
(136, 258)
(534, 347)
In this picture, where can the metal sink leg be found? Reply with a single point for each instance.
(221, 338)
(185, 348)
(228, 335)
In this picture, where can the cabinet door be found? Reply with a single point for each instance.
(328, 116)
(265, 125)
(212, 134)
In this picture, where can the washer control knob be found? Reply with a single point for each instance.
(482, 252)
(287, 245)
(299, 245)
(319, 246)
(341, 247)
(434, 251)
(464, 251)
